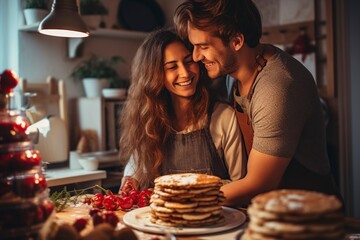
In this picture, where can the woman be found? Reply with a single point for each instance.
(169, 125)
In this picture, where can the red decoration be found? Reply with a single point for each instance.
(302, 45)
(8, 81)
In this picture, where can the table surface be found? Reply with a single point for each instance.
(69, 214)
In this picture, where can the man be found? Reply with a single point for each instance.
(275, 97)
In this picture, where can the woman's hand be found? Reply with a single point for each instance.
(129, 183)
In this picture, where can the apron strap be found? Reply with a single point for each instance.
(245, 125)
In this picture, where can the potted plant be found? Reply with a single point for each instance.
(35, 11)
(118, 88)
(98, 73)
(92, 11)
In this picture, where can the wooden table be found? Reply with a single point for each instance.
(69, 214)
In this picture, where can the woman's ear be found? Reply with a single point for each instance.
(237, 41)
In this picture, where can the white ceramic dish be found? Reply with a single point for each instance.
(140, 220)
(89, 164)
(118, 93)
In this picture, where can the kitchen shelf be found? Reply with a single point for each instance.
(74, 43)
(101, 32)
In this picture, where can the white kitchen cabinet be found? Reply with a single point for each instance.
(100, 116)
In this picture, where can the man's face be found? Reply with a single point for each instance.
(218, 58)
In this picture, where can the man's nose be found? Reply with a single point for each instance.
(197, 56)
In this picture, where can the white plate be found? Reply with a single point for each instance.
(140, 220)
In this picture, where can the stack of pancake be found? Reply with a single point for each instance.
(186, 200)
(294, 214)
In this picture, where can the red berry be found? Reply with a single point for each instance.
(111, 218)
(123, 193)
(126, 203)
(97, 200)
(134, 194)
(97, 219)
(94, 211)
(143, 202)
(110, 202)
(80, 224)
(128, 186)
(87, 200)
(8, 80)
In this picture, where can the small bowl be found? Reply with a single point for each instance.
(89, 164)
(118, 93)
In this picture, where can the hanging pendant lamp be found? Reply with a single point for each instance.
(64, 20)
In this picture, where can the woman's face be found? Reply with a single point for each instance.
(181, 72)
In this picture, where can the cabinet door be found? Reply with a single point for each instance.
(92, 121)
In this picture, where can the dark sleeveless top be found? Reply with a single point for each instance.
(194, 152)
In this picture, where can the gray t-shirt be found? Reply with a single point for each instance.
(286, 114)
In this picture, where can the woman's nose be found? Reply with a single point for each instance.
(183, 71)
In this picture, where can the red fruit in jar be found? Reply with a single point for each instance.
(22, 160)
(94, 211)
(5, 186)
(97, 200)
(30, 185)
(134, 194)
(8, 80)
(5, 161)
(110, 202)
(111, 218)
(48, 207)
(125, 203)
(13, 131)
(80, 224)
(97, 219)
(19, 160)
(40, 215)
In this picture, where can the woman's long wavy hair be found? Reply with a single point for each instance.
(145, 122)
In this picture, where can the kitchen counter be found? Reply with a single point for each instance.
(64, 176)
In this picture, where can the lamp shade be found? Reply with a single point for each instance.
(64, 21)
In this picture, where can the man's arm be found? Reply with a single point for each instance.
(264, 173)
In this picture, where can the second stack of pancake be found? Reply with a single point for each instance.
(294, 214)
(186, 200)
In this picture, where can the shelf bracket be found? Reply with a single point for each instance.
(73, 47)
